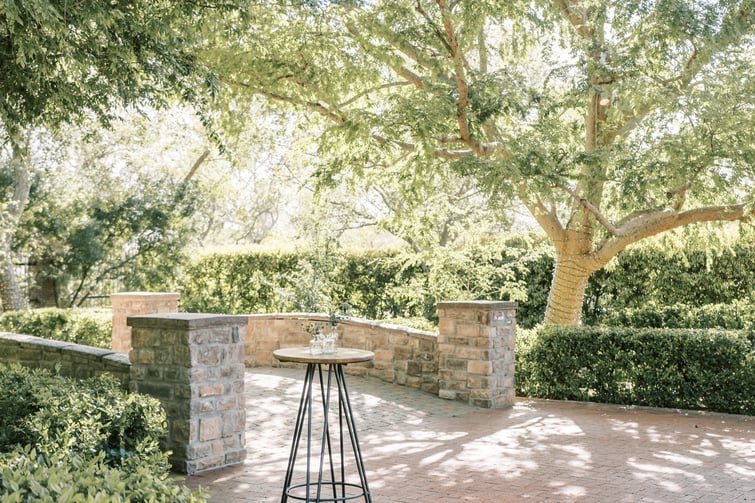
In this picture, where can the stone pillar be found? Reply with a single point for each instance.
(476, 352)
(194, 364)
(133, 303)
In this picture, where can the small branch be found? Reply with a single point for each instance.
(196, 165)
(591, 208)
(462, 102)
(372, 90)
(436, 29)
(547, 219)
(576, 18)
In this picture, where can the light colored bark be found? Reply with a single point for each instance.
(10, 291)
(567, 291)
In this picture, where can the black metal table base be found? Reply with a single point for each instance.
(326, 487)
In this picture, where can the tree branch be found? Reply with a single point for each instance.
(195, 166)
(547, 219)
(655, 223)
(577, 17)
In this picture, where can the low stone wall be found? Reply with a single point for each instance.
(194, 364)
(403, 355)
(64, 358)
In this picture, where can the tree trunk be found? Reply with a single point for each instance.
(9, 288)
(43, 291)
(567, 291)
(10, 291)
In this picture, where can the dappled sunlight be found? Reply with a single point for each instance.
(572, 491)
(741, 470)
(533, 451)
(676, 458)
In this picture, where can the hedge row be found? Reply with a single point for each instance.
(687, 369)
(674, 272)
(736, 315)
(382, 284)
(91, 327)
(374, 285)
(68, 440)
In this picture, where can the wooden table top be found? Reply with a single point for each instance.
(342, 356)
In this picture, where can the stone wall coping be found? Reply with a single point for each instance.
(344, 320)
(167, 295)
(23, 339)
(477, 304)
(118, 358)
(87, 350)
(30, 340)
(181, 321)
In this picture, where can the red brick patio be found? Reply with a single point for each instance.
(419, 448)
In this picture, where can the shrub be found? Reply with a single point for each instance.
(91, 327)
(673, 271)
(107, 439)
(689, 369)
(26, 476)
(736, 315)
(393, 284)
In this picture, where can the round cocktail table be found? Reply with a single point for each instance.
(334, 488)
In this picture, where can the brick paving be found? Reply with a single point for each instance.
(419, 448)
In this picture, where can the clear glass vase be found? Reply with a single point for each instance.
(329, 344)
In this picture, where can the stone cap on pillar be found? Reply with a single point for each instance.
(477, 304)
(184, 320)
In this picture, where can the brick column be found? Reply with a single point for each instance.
(133, 303)
(476, 352)
(194, 364)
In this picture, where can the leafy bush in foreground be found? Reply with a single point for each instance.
(68, 440)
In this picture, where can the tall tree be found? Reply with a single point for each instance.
(611, 121)
(63, 61)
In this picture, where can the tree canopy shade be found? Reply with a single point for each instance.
(62, 61)
(612, 121)
(59, 59)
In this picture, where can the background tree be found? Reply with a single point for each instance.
(103, 212)
(62, 61)
(610, 121)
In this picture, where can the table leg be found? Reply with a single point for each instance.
(345, 414)
(325, 394)
(351, 425)
(305, 403)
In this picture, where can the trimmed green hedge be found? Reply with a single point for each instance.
(68, 440)
(91, 327)
(688, 369)
(374, 284)
(736, 315)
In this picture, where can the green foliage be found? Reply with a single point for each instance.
(375, 285)
(689, 369)
(610, 123)
(667, 272)
(25, 476)
(91, 327)
(736, 315)
(68, 440)
(63, 60)
(235, 283)
(380, 285)
(104, 227)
